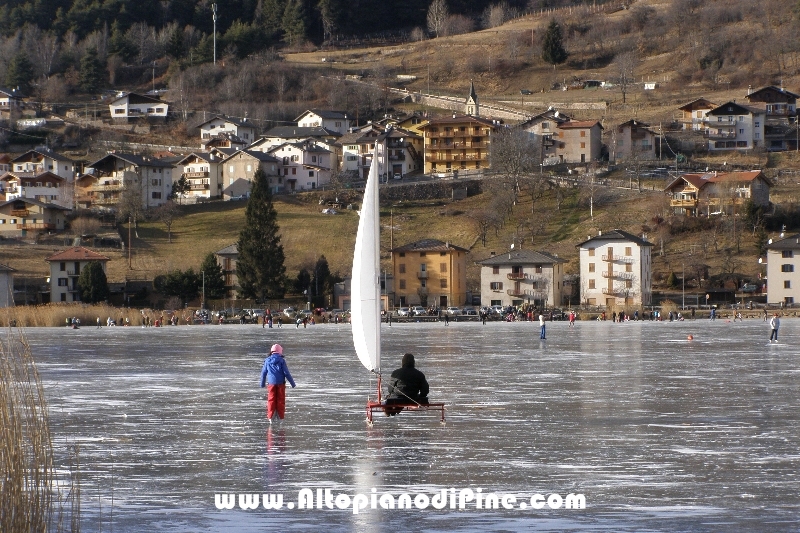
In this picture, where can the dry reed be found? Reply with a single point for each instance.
(54, 315)
(30, 496)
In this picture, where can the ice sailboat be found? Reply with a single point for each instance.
(365, 298)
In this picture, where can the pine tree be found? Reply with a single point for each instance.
(92, 73)
(293, 22)
(321, 284)
(214, 279)
(553, 51)
(175, 44)
(93, 284)
(20, 74)
(260, 265)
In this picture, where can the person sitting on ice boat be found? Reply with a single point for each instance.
(406, 386)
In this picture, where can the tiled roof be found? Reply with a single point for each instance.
(579, 124)
(700, 180)
(791, 242)
(296, 132)
(428, 245)
(36, 203)
(617, 235)
(231, 249)
(78, 253)
(520, 257)
(324, 113)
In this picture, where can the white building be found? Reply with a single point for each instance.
(65, 269)
(118, 171)
(45, 187)
(783, 270)
(616, 269)
(42, 160)
(336, 121)
(522, 277)
(304, 166)
(203, 172)
(133, 105)
(218, 125)
(733, 126)
(239, 169)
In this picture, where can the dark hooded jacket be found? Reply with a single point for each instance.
(408, 384)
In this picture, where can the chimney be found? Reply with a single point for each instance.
(599, 233)
(749, 90)
(454, 114)
(492, 254)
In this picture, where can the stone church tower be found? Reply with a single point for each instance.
(472, 101)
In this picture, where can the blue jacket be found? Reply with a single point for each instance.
(275, 371)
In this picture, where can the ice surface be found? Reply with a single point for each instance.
(659, 433)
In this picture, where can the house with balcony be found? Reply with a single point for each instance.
(356, 149)
(779, 103)
(633, 140)
(429, 272)
(303, 166)
(41, 160)
(718, 192)
(291, 134)
(543, 129)
(109, 176)
(202, 170)
(616, 270)
(6, 286)
(783, 271)
(10, 101)
(226, 259)
(239, 169)
(733, 126)
(45, 187)
(334, 121)
(521, 277)
(693, 115)
(22, 217)
(403, 151)
(459, 142)
(65, 269)
(137, 106)
(241, 130)
(224, 140)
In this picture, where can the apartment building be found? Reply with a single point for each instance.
(615, 270)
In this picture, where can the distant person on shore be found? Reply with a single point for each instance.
(274, 375)
(406, 386)
(572, 318)
(774, 324)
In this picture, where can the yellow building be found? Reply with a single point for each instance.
(460, 142)
(429, 273)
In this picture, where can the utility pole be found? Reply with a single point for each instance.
(130, 264)
(203, 306)
(214, 11)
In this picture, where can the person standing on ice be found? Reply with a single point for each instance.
(774, 324)
(541, 323)
(275, 373)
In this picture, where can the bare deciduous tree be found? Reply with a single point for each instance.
(625, 68)
(437, 17)
(167, 213)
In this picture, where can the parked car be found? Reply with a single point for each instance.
(471, 311)
(289, 312)
(403, 311)
(453, 311)
(749, 287)
(418, 310)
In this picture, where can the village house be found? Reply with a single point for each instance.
(41, 160)
(563, 140)
(133, 105)
(403, 151)
(228, 127)
(615, 270)
(10, 101)
(290, 134)
(110, 175)
(429, 273)
(65, 269)
(521, 277)
(226, 259)
(633, 140)
(714, 193)
(239, 169)
(45, 187)
(225, 140)
(356, 149)
(733, 126)
(21, 217)
(783, 271)
(693, 114)
(335, 121)
(459, 142)
(304, 166)
(779, 103)
(202, 170)
(6, 286)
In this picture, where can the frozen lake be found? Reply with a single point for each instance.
(657, 432)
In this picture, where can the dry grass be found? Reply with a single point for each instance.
(57, 314)
(30, 494)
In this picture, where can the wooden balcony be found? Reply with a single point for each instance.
(20, 213)
(36, 227)
(720, 135)
(195, 175)
(683, 202)
(199, 186)
(516, 276)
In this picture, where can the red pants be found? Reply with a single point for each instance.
(276, 400)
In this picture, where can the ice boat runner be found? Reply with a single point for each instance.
(365, 296)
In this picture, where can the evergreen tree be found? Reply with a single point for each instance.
(293, 23)
(93, 284)
(214, 279)
(321, 284)
(260, 267)
(92, 73)
(302, 282)
(180, 187)
(184, 285)
(553, 51)
(672, 281)
(175, 44)
(20, 74)
(120, 45)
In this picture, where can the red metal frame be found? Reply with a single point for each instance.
(379, 406)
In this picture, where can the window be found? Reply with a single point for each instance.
(495, 269)
(423, 282)
(628, 267)
(63, 296)
(787, 268)
(591, 267)
(402, 284)
(443, 283)
(423, 267)
(787, 284)
(628, 283)
(591, 252)
(757, 124)
(756, 135)
(583, 133)
(423, 254)
(294, 171)
(401, 268)
(496, 286)
(119, 111)
(583, 145)
(591, 284)
(156, 195)
(741, 131)
(63, 282)
(402, 254)
(155, 182)
(62, 266)
(230, 169)
(249, 168)
(352, 158)
(628, 250)
(294, 158)
(313, 159)
(787, 254)
(443, 267)
(788, 300)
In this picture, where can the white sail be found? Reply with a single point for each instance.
(365, 289)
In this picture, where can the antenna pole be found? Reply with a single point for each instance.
(214, 12)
